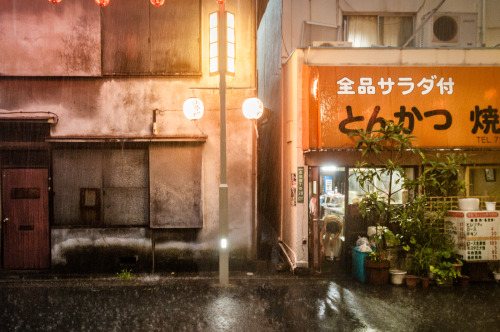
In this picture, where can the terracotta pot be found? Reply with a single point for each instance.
(411, 280)
(464, 281)
(444, 282)
(424, 281)
(458, 267)
(377, 272)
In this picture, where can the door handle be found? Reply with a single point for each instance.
(5, 220)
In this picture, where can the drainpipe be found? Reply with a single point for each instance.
(483, 25)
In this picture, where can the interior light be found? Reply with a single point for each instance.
(214, 44)
(329, 168)
(223, 243)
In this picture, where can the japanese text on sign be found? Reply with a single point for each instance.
(366, 86)
(300, 184)
(441, 106)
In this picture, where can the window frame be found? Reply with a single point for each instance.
(345, 23)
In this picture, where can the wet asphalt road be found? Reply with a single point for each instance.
(275, 303)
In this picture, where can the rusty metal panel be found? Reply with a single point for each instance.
(175, 38)
(125, 179)
(126, 206)
(125, 34)
(72, 170)
(140, 39)
(175, 186)
(125, 168)
(120, 176)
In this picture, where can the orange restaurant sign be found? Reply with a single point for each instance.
(442, 106)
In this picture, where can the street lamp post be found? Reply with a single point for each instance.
(193, 109)
(223, 188)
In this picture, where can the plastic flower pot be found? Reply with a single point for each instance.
(464, 281)
(397, 276)
(490, 206)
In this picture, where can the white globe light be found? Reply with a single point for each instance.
(193, 108)
(253, 108)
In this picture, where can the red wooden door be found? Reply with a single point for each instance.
(25, 212)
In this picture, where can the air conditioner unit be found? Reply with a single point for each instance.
(328, 43)
(454, 30)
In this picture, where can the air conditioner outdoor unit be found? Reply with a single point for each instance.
(454, 30)
(328, 43)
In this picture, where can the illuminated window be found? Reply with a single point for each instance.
(378, 30)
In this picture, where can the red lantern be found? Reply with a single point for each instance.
(221, 2)
(55, 1)
(102, 3)
(157, 3)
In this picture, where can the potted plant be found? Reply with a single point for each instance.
(445, 273)
(491, 201)
(377, 268)
(411, 225)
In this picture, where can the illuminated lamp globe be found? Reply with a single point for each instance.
(102, 3)
(55, 1)
(253, 108)
(193, 108)
(157, 3)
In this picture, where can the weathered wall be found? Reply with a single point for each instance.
(47, 40)
(37, 76)
(269, 163)
(295, 217)
(491, 14)
(111, 250)
(295, 12)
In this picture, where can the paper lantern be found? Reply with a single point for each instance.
(253, 108)
(157, 3)
(193, 108)
(102, 3)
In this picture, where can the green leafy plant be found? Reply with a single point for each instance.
(383, 179)
(378, 256)
(125, 274)
(492, 197)
(441, 176)
(445, 271)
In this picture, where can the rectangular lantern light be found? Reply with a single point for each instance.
(214, 45)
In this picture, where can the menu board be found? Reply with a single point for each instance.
(476, 234)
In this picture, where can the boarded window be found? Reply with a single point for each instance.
(175, 188)
(140, 39)
(101, 187)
